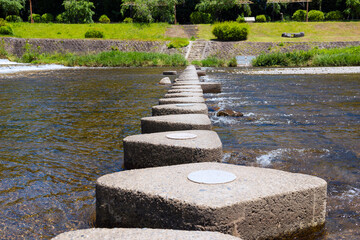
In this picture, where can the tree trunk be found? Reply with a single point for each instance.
(31, 17)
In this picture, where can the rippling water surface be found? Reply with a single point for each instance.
(308, 124)
(60, 131)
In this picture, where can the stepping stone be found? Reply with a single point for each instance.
(181, 83)
(161, 149)
(185, 90)
(182, 108)
(211, 87)
(201, 73)
(183, 94)
(187, 87)
(175, 122)
(184, 80)
(181, 100)
(141, 234)
(169, 73)
(260, 203)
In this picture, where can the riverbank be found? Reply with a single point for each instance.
(299, 70)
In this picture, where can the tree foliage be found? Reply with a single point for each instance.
(11, 7)
(78, 11)
(151, 10)
(352, 8)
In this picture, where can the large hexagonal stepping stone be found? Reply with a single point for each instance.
(181, 100)
(181, 83)
(181, 108)
(176, 122)
(207, 87)
(249, 202)
(187, 87)
(170, 148)
(187, 90)
(141, 234)
(183, 94)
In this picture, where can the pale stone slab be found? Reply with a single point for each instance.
(183, 94)
(260, 203)
(141, 234)
(170, 109)
(180, 90)
(165, 81)
(211, 87)
(181, 100)
(181, 83)
(187, 87)
(155, 149)
(176, 122)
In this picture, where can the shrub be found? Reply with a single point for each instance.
(47, 17)
(200, 17)
(14, 18)
(178, 43)
(260, 18)
(240, 19)
(36, 17)
(231, 31)
(316, 16)
(6, 30)
(104, 19)
(60, 18)
(211, 61)
(334, 15)
(232, 63)
(2, 22)
(94, 33)
(299, 16)
(128, 20)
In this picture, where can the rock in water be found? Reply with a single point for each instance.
(229, 113)
(165, 81)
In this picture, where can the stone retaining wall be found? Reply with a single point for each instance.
(16, 46)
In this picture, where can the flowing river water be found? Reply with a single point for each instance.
(61, 130)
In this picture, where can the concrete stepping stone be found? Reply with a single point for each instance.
(211, 87)
(181, 108)
(141, 234)
(181, 83)
(162, 149)
(183, 94)
(181, 100)
(176, 122)
(169, 72)
(261, 203)
(187, 87)
(185, 90)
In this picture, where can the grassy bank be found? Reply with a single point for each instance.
(314, 31)
(106, 59)
(120, 31)
(349, 56)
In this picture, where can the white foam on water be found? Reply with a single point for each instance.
(7, 62)
(24, 68)
(267, 159)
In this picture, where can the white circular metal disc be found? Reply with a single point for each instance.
(184, 105)
(211, 176)
(181, 136)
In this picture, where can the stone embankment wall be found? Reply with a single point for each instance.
(16, 46)
(225, 50)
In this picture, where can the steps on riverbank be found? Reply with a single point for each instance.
(197, 50)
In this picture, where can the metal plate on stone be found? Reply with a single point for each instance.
(181, 136)
(211, 176)
(184, 105)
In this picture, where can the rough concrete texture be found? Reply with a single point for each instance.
(181, 83)
(165, 81)
(155, 149)
(176, 122)
(183, 94)
(201, 73)
(181, 100)
(261, 203)
(170, 109)
(187, 86)
(141, 234)
(184, 90)
(211, 87)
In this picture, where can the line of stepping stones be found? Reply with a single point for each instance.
(175, 180)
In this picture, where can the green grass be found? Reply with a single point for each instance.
(314, 31)
(120, 31)
(106, 59)
(349, 56)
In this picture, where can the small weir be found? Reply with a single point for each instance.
(175, 180)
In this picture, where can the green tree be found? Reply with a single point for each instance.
(151, 10)
(215, 7)
(353, 8)
(78, 11)
(11, 7)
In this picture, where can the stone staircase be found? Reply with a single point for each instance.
(196, 50)
(191, 30)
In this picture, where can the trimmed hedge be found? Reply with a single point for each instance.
(36, 17)
(14, 18)
(230, 31)
(299, 16)
(316, 16)
(94, 33)
(6, 30)
(334, 16)
(47, 17)
(260, 18)
(240, 19)
(104, 19)
(128, 20)
(200, 17)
